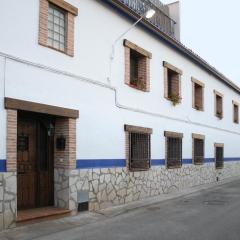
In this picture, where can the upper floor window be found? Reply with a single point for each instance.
(172, 83)
(137, 66)
(235, 112)
(138, 147)
(198, 94)
(219, 155)
(218, 104)
(56, 25)
(56, 28)
(198, 149)
(173, 149)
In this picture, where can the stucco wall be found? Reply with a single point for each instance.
(105, 103)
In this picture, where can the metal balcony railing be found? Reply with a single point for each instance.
(161, 19)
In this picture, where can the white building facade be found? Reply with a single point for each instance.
(86, 119)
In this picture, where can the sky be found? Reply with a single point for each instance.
(211, 28)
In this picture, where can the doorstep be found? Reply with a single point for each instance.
(41, 213)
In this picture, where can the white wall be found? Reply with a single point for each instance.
(100, 126)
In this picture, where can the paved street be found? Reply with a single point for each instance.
(207, 214)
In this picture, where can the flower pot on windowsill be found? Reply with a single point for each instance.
(175, 99)
(138, 84)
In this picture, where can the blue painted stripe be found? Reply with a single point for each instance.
(3, 167)
(209, 160)
(187, 161)
(157, 162)
(100, 163)
(112, 163)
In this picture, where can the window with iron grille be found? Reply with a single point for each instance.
(198, 96)
(198, 151)
(219, 106)
(174, 152)
(235, 113)
(139, 151)
(219, 160)
(56, 28)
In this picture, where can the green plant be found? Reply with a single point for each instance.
(175, 98)
(138, 83)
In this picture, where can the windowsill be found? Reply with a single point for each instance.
(198, 164)
(137, 88)
(139, 170)
(175, 167)
(55, 49)
(219, 117)
(198, 109)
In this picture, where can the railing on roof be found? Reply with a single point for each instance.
(161, 19)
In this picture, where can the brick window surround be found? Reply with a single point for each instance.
(197, 94)
(198, 148)
(172, 82)
(70, 13)
(235, 112)
(138, 147)
(218, 106)
(173, 149)
(137, 66)
(219, 155)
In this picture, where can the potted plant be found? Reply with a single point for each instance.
(175, 98)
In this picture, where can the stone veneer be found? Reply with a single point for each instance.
(114, 186)
(8, 200)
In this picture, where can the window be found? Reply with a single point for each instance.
(218, 104)
(137, 66)
(172, 83)
(219, 158)
(198, 149)
(198, 94)
(235, 112)
(56, 25)
(173, 149)
(138, 143)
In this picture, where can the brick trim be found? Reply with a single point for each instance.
(138, 49)
(173, 134)
(67, 158)
(66, 6)
(201, 137)
(16, 104)
(195, 81)
(234, 103)
(198, 136)
(216, 93)
(130, 128)
(173, 68)
(166, 67)
(11, 140)
(218, 144)
(71, 12)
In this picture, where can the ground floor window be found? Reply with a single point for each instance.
(198, 149)
(173, 149)
(138, 147)
(219, 155)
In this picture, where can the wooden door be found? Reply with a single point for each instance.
(34, 161)
(26, 164)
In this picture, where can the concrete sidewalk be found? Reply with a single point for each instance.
(43, 229)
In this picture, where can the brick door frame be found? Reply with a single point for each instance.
(64, 161)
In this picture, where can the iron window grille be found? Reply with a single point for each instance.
(57, 28)
(174, 152)
(198, 157)
(139, 151)
(219, 158)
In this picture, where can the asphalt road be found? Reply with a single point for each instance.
(212, 214)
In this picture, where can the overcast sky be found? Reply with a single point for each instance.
(211, 28)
